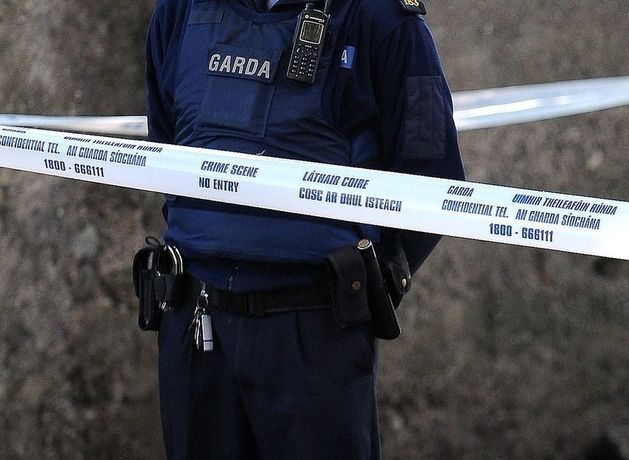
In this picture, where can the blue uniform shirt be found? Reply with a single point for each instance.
(380, 101)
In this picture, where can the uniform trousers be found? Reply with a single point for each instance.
(289, 385)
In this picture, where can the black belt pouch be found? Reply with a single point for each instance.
(149, 313)
(349, 291)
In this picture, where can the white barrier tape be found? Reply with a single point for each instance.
(123, 125)
(472, 109)
(518, 104)
(464, 209)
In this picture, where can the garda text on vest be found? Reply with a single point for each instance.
(242, 63)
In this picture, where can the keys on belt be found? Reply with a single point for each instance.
(202, 323)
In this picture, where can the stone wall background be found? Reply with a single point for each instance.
(507, 352)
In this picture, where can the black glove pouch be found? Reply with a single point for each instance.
(153, 288)
(349, 291)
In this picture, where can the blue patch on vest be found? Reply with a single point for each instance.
(251, 64)
(347, 58)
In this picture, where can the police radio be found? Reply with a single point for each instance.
(308, 43)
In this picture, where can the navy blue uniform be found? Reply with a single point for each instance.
(290, 385)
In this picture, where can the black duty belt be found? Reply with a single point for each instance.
(315, 296)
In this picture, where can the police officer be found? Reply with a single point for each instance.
(285, 378)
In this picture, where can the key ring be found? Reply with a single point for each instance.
(203, 298)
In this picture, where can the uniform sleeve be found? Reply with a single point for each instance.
(159, 101)
(417, 129)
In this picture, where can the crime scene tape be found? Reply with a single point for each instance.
(500, 214)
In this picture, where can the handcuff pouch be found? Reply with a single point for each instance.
(157, 276)
(149, 313)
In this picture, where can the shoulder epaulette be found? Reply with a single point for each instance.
(413, 6)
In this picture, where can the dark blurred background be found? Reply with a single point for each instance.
(507, 352)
